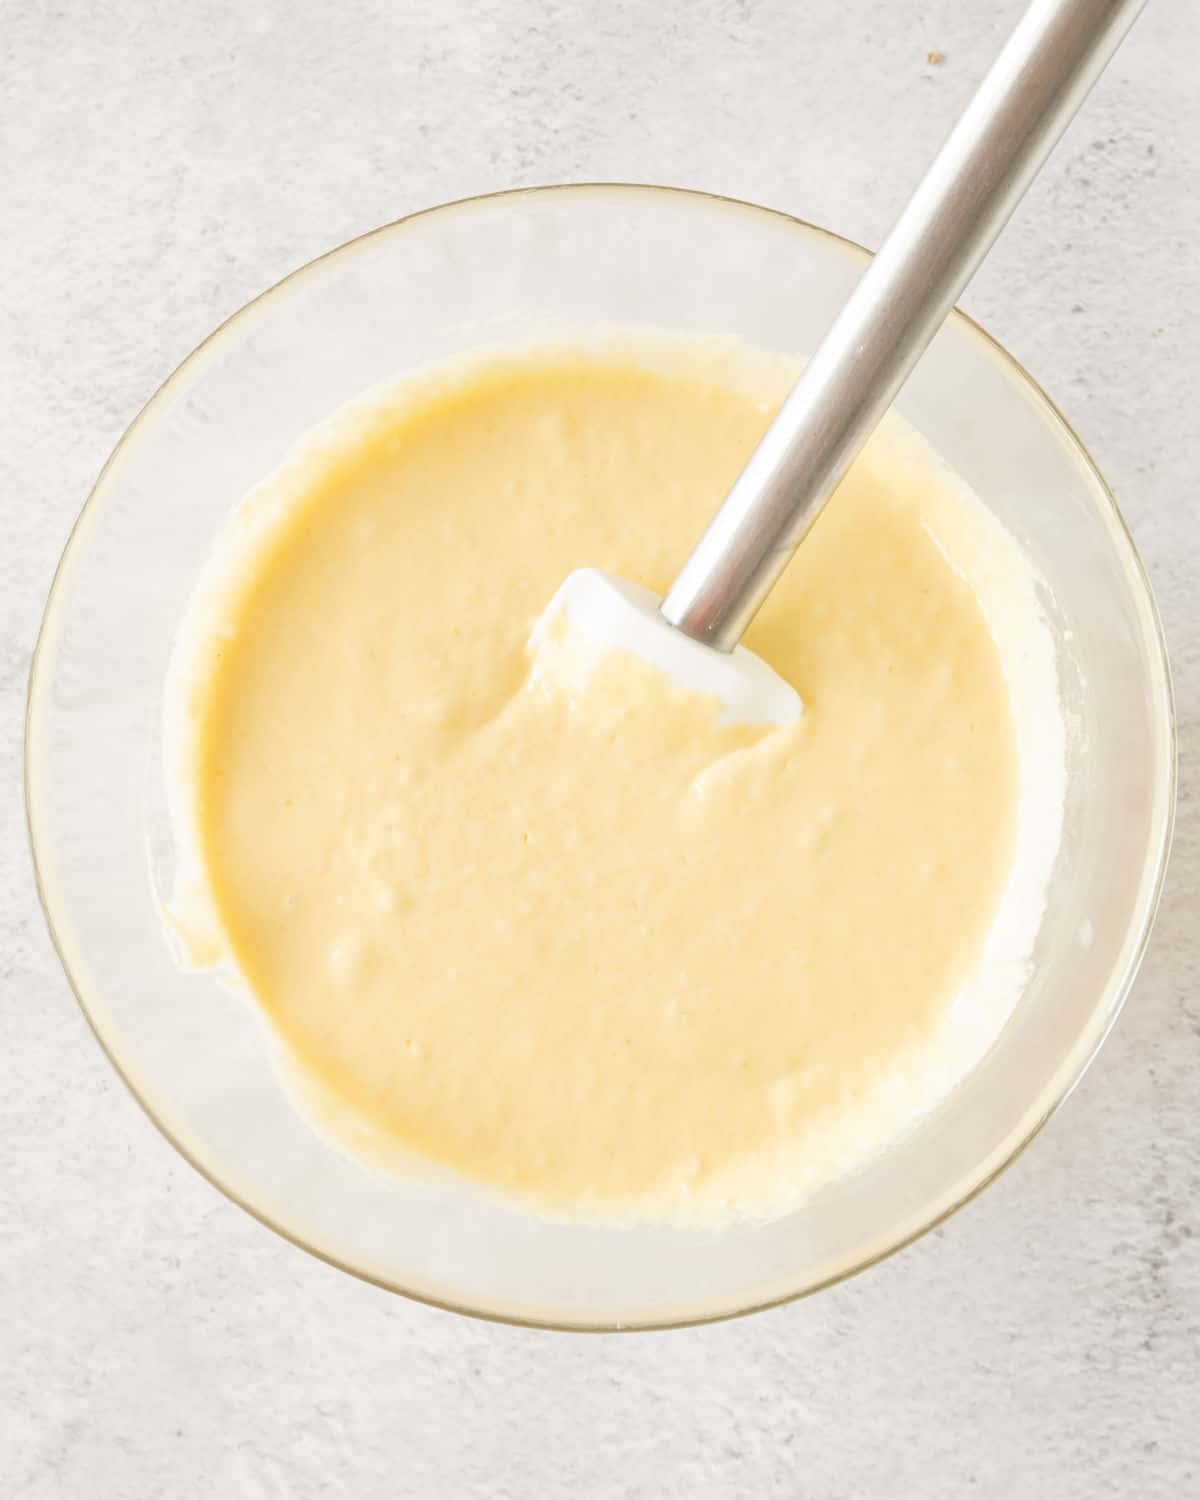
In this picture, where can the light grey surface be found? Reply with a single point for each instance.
(161, 163)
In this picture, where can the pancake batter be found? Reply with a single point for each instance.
(559, 932)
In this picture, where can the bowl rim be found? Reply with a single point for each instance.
(1078, 1057)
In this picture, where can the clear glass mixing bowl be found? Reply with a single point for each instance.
(513, 267)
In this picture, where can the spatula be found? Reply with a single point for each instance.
(1034, 88)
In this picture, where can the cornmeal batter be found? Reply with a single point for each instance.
(562, 932)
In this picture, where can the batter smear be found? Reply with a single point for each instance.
(562, 932)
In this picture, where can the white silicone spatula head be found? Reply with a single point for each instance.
(1022, 107)
(612, 614)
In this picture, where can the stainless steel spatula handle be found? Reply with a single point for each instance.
(1011, 125)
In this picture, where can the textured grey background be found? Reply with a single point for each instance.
(161, 163)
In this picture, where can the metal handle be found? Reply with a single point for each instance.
(1024, 104)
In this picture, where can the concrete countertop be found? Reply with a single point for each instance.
(164, 162)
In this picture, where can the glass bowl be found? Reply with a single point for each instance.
(513, 267)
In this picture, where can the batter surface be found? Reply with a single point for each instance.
(561, 932)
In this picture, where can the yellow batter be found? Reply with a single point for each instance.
(571, 938)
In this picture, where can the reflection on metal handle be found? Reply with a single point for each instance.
(1022, 107)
